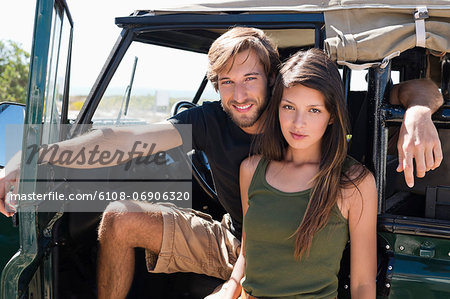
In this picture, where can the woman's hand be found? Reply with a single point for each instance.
(227, 290)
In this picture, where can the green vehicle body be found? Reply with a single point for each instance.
(413, 251)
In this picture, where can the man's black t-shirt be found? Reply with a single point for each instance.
(225, 145)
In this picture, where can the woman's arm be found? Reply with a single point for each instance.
(362, 220)
(233, 285)
(248, 167)
(232, 288)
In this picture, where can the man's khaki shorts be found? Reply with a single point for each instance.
(194, 242)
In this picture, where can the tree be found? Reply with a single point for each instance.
(14, 65)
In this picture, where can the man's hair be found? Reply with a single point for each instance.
(239, 39)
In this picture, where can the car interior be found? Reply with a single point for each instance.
(75, 234)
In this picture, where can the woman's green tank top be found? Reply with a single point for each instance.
(271, 268)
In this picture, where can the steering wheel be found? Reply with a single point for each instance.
(200, 165)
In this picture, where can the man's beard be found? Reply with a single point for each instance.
(246, 122)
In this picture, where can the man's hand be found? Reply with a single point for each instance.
(418, 137)
(9, 178)
(418, 140)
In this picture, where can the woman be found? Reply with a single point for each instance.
(302, 197)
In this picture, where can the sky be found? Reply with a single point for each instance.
(94, 36)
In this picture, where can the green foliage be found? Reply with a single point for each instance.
(14, 65)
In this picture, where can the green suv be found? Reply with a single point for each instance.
(374, 43)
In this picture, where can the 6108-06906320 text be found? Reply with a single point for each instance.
(103, 195)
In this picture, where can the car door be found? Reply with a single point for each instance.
(28, 274)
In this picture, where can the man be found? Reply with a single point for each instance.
(242, 66)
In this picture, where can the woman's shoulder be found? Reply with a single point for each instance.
(354, 170)
(247, 170)
(360, 183)
(249, 164)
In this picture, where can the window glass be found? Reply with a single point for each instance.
(163, 76)
(50, 115)
(56, 75)
(358, 80)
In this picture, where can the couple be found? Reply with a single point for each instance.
(333, 195)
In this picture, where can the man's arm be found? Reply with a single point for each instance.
(418, 138)
(117, 145)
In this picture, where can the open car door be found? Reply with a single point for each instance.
(28, 273)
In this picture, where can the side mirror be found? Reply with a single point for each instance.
(12, 117)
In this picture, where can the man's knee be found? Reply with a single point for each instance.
(108, 224)
(131, 223)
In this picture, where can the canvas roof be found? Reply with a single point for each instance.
(362, 30)
(214, 6)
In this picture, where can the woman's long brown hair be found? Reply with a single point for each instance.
(315, 70)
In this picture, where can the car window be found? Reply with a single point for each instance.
(163, 76)
(358, 80)
(59, 49)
